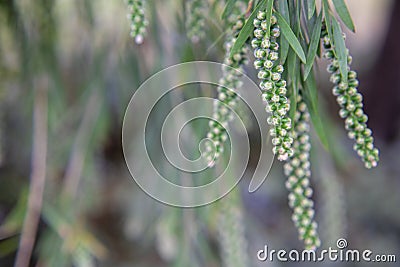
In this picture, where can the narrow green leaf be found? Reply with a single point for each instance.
(230, 4)
(8, 245)
(312, 50)
(268, 11)
(292, 69)
(295, 10)
(327, 16)
(291, 37)
(310, 23)
(292, 12)
(310, 8)
(248, 27)
(284, 47)
(344, 14)
(284, 44)
(283, 9)
(340, 48)
(311, 99)
(293, 103)
(311, 88)
(298, 31)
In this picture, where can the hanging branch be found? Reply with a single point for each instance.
(38, 174)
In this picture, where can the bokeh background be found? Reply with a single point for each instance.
(70, 67)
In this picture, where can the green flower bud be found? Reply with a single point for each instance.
(195, 19)
(138, 21)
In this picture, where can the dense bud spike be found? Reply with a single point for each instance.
(297, 169)
(195, 20)
(272, 83)
(350, 101)
(232, 72)
(138, 20)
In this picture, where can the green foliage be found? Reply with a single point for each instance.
(339, 47)
(294, 35)
(283, 9)
(228, 9)
(311, 98)
(310, 8)
(291, 37)
(314, 44)
(344, 14)
(248, 27)
(91, 216)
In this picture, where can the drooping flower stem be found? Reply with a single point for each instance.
(297, 169)
(231, 231)
(350, 101)
(195, 20)
(272, 84)
(227, 97)
(138, 20)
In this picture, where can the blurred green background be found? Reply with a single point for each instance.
(74, 65)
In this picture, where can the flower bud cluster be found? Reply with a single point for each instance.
(350, 102)
(231, 231)
(297, 169)
(195, 19)
(138, 20)
(227, 98)
(272, 84)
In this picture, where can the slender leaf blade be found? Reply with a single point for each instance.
(310, 8)
(248, 27)
(327, 16)
(297, 21)
(340, 48)
(268, 11)
(310, 22)
(284, 49)
(292, 70)
(291, 37)
(344, 14)
(230, 5)
(313, 47)
(283, 9)
(310, 96)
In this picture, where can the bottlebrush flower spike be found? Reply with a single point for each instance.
(350, 101)
(231, 231)
(272, 84)
(297, 169)
(195, 19)
(138, 20)
(232, 71)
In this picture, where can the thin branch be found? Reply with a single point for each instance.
(77, 159)
(38, 174)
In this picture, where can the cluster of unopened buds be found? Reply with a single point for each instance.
(297, 170)
(227, 98)
(231, 232)
(350, 101)
(272, 84)
(138, 20)
(195, 20)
